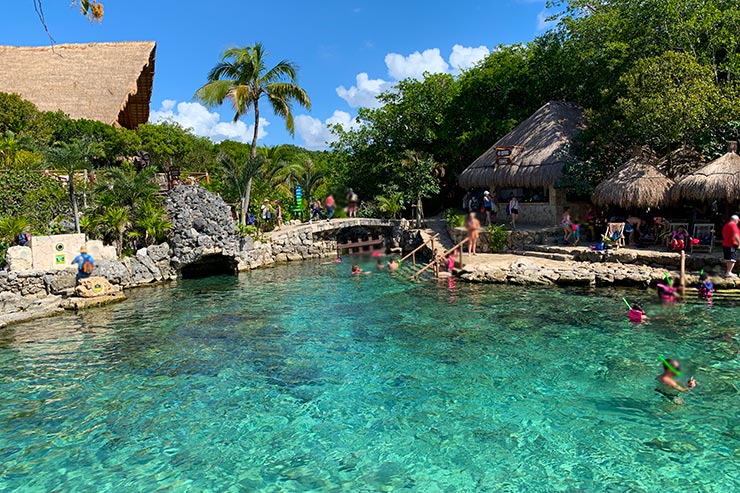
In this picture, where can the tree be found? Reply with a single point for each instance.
(421, 176)
(116, 220)
(242, 77)
(73, 156)
(241, 174)
(124, 187)
(391, 203)
(669, 100)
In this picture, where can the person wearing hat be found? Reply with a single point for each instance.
(487, 206)
(266, 214)
(730, 243)
(85, 264)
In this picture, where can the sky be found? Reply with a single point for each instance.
(347, 50)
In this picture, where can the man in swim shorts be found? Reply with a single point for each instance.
(730, 243)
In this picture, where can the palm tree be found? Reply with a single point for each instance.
(124, 187)
(72, 156)
(152, 220)
(309, 178)
(243, 78)
(391, 203)
(241, 174)
(116, 220)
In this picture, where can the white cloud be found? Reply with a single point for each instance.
(316, 134)
(365, 92)
(543, 24)
(402, 67)
(465, 57)
(205, 123)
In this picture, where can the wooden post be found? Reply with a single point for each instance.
(683, 269)
(413, 258)
(462, 247)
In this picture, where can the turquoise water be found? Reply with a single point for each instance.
(304, 378)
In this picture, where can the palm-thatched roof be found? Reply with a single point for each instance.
(718, 180)
(107, 82)
(537, 150)
(680, 162)
(637, 184)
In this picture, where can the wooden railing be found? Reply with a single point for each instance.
(444, 255)
(412, 254)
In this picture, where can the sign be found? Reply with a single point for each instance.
(299, 195)
(60, 259)
(59, 247)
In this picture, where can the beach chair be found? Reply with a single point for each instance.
(672, 229)
(614, 235)
(704, 232)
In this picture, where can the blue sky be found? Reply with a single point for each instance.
(347, 50)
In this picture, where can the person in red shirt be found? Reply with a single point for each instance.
(730, 243)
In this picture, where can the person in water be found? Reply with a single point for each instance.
(356, 270)
(636, 313)
(667, 293)
(379, 265)
(705, 287)
(667, 383)
(392, 265)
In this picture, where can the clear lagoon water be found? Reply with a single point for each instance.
(304, 378)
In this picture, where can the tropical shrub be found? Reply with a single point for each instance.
(453, 219)
(497, 236)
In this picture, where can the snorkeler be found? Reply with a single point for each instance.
(337, 260)
(705, 287)
(668, 386)
(392, 265)
(636, 313)
(356, 270)
(666, 292)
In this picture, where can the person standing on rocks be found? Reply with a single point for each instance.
(330, 206)
(278, 214)
(473, 226)
(352, 198)
(85, 264)
(266, 214)
(730, 243)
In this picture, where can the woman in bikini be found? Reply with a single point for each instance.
(473, 227)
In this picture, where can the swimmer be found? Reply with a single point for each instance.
(666, 292)
(380, 265)
(668, 386)
(337, 260)
(392, 265)
(636, 313)
(705, 287)
(356, 270)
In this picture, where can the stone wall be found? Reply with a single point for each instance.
(202, 226)
(517, 240)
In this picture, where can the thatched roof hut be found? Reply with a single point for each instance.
(637, 184)
(718, 180)
(531, 155)
(107, 82)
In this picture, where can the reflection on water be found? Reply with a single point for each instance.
(304, 378)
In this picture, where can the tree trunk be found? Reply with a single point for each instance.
(253, 151)
(120, 243)
(419, 211)
(73, 200)
(252, 155)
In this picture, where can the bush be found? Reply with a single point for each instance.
(454, 220)
(497, 236)
(40, 199)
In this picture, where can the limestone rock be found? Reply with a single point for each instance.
(60, 281)
(19, 258)
(95, 286)
(115, 271)
(202, 225)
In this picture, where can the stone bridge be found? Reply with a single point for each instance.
(315, 240)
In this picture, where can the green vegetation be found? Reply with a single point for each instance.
(242, 77)
(453, 219)
(497, 236)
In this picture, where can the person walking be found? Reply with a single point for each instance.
(330, 206)
(730, 243)
(514, 210)
(352, 199)
(278, 214)
(473, 226)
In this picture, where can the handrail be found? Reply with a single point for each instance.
(459, 245)
(419, 248)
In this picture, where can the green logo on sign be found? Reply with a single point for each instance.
(60, 259)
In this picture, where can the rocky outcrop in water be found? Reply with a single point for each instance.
(202, 227)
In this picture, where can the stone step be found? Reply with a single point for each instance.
(561, 257)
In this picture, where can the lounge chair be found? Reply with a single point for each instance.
(704, 232)
(614, 234)
(666, 240)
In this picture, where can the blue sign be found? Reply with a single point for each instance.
(298, 192)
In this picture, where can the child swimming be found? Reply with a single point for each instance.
(705, 287)
(636, 314)
(356, 270)
(392, 264)
(667, 293)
